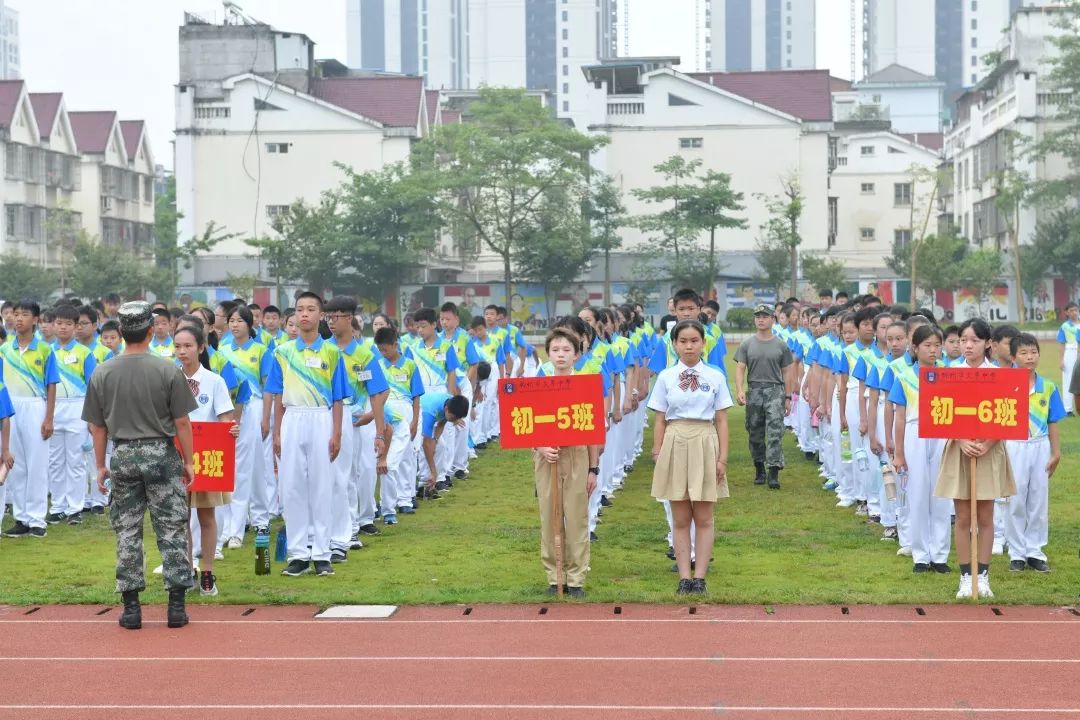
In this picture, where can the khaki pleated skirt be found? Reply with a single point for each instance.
(993, 474)
(208, 499)
(686, 466)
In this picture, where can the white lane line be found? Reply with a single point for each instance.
(540, 658)
(547, 619)
(718, 708)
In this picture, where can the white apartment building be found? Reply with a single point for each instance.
(911, 101)
(900, 32)
(1013, 98)
(116, 200)
(880, 192)
(248, 146)
(10, 60)
(758, 127)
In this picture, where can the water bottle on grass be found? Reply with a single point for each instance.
(282, 546)
(262, 554)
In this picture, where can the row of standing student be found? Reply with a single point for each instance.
(858, 413)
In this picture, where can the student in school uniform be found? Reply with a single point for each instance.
(111, 338)
(308, 383)
(86, 334)
(1033, 462)
(928, 512)
(31, 376)
(953, 353)
(214, 405)
(516, 347)
(405, 389)
(1067, 336)
(45, 331)
(690, 448)
(161, 343)
(251, 360)
(271, 323)
(437, 411)
(440, 371)
(451, 332)
(853, 408)
(67, 457)
(1001, 356)
(491, 349)
(366, 445)
(7, 410)
(577, 471)
(869, 372)
(992, 471)
(815, 390)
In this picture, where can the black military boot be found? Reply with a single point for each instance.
(759, 478)
(177, 615)
(774, 478)
(132, 617)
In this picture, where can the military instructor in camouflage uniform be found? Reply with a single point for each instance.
(141, 402)
(766, 362)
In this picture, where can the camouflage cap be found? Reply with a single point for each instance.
(135, 316)
(762, 309)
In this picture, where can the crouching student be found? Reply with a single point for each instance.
(436, 411)
(690, 448)
(1033, 463)
(406, 388)
(576, 474)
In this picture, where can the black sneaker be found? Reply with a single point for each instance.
(440, 486)
(354, 543)
(686, 587)
(670, 553)
(38, 532)
(74, 519)
(369, 529)
(459, 474)
(1017, 566)
(627, 469)
(1038, 565)
(208, 584)
(575, 592)
(264, 531)
(97, 510)
(592, 536)
(941, 568)
(449, 480)
(55, 518)
(697, 586)
(296, 568)
(920, 568)
(18, 530)
(336, 556)
(811, 456)
(604, 502)
(890, 533)
(552, 590)
(323, 567)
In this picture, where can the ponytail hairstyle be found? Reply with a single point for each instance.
(605, 316)
(200, 341)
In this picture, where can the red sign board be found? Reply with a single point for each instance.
(556, 411)
(214, 451)
(974, 403)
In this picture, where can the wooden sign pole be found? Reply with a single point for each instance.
(557, 524)
(974, 530)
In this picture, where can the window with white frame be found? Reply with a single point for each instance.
(277, 148)
(866, 150)
(867, 188)
(273, 212)
(902, 194)
(687, 143)
(866, 234)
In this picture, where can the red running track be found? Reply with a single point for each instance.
(555, 661)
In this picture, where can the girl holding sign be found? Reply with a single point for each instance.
(993, 474)
(214, 405)
(690, 448)
(577, 474)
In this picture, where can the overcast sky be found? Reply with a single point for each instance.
(122, 54)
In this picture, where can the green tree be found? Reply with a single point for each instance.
(492, 175)
(99, 269)
(675, 237)
(608, 216)
(22, 278)
(823, 273)
(979, 271)
(1057, 243)
(773, 263)
(707, 207)
(785, 211)
(554, 252)
(900, 259)
(170, 252)
(1059, 137)
(939, 258)
(304, 249)
(1011, 188)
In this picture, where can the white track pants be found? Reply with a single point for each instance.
(458, 438)
(250, 487)
(1027, 512)
(1068, 359)
(28, 482)
(928, 516)
(859, 479)
(342, 470)
(67, 461)
(363, 488)
(400, 444)
(307, 481)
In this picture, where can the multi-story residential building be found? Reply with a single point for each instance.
(10, 60)
(250, 143)
(762, 34)
(1013, 100)
(910, 101)
(41, 175)
(116, 201)
(464, 44)
(760, 127)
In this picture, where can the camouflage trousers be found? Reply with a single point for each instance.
(148, 475)
(765, 423)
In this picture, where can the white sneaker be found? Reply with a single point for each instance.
(235, 543)
(999, 548)
(984, 586)
(845, 503)
(904, 551)
(218, 555)
(965, 587)
(861, 511)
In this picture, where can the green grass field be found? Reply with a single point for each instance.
(481, 545)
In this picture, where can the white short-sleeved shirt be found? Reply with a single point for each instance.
(211, 394)
(699, 401)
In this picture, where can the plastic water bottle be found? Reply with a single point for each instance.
(888, 479)
(262, 554)
(282, 546)
(861, 460)
(845, 446)
(901, 495)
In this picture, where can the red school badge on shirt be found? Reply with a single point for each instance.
(552, 411)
